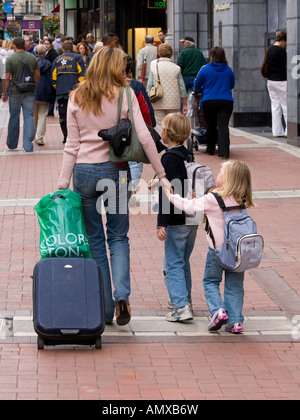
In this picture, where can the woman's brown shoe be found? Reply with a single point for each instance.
(123, 313)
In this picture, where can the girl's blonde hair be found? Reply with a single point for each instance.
(237, 182)
(104, 74)
(178, 127)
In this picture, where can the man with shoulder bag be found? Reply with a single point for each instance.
(22, 70)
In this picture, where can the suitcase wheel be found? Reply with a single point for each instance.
(40, 343)
(98, 343)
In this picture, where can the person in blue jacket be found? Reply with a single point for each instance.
(216, 81)
(67, 71)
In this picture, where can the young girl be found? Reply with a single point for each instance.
(234, 186)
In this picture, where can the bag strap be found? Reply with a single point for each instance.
(158, 77)
(21, 61)
(128, 94)
(223, 206)
(120, 105)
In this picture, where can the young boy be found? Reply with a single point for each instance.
(179, 238)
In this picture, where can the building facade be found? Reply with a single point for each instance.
(28, 13)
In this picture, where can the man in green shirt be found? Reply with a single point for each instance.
(17, 99)
(190, 61)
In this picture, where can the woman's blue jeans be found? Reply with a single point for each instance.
(179, 245)
(16, 102)
(104, 187)
(233, 289)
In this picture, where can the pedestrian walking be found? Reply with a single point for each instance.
(94, 106)
(172, 85)
(190, 61)
(277, 84)
(179, 238)
(215, 81)
(235, 187)
(90, 41)
(17, 99)
(83, 50)
(45, 94)
(98, 45)
(111, 40)
(162, 35)
(29, 47)
(68, 69)
(51, 55)
(144, 59)
(57, 41)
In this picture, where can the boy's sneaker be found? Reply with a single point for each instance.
(236, 328)
(218, 320)
(170, 305)
(181, 314)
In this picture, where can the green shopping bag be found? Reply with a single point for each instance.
(63, 233)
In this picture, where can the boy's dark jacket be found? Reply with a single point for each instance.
(175, 170)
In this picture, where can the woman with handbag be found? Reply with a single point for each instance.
(166, 78)
(93, 106)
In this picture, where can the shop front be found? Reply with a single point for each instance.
(131, 21)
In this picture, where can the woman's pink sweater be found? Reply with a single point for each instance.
(83, 144)
(209, 205)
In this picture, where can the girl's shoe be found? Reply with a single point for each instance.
(218, 320)
(123, 313)
(236, 328)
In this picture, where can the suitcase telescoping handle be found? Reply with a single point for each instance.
(55, 196)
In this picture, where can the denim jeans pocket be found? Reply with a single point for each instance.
(81, 177)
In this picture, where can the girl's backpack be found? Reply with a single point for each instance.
(242, 248)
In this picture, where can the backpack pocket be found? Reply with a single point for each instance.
(249, 252)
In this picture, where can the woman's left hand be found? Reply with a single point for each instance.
(167, 186)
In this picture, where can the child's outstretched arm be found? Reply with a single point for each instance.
(186, 205)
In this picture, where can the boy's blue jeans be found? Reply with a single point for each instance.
(233, 290)
(179, 245)
(85, 179)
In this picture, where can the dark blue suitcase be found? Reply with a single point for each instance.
(68, 305)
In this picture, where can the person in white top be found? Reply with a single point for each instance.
(172, 85)
(146, 55)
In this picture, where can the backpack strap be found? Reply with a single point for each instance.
(21, 61)
(188, 158)
(223, 206)
(209, 231)
(221, 203)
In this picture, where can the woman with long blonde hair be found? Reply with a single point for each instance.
(93, 107)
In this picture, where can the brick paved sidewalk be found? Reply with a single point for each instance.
(159, 366)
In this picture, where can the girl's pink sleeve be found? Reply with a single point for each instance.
(186, 205)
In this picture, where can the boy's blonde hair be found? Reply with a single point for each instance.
(237, 182)
(178, 127)
(104, 74)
